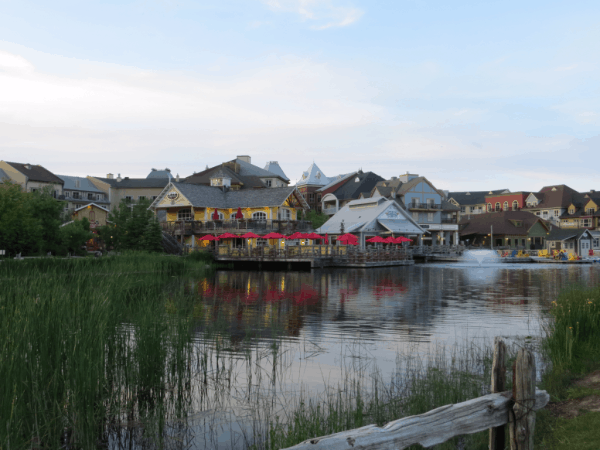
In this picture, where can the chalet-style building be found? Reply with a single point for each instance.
(371, 217)
(583, 212)
(243, 175)
(311, 183)
(551, 202)
(193, 210)
(96, 214)
(347, 188)
(132, 189)
(506, 229)
(426, 204)
(472, 202)
(577, 241)
(80, 191)
(32, 177)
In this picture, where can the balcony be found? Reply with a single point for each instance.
(330, 211)
(195, 227)
(424, 206)
(449, 220)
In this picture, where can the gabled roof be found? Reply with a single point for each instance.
(503, 223)
(562, 234)
(36, 173)
(159, 173)
(357, 184)
(139, 183)
(371, 215)
(214, 197)
(244, 181)
(247, 169)
(472, 197)
(313, 177)
(335, 180)
(559, 196)
(90, 204)
(84, 184)
(274, 167)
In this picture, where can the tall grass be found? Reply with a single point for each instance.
(572, 342)
(89, 345)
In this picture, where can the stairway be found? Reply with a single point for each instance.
(170, 244)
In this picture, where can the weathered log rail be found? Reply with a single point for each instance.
(491, 411)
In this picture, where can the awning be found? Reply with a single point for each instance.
(398, 226)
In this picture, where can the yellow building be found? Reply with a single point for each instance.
(582, 215)
(32, 177)
(195, 210)
(97, 215)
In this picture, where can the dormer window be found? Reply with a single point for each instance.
(356, 180)
(318, 176)
(571, 210)
(590, 211)
(269, 183)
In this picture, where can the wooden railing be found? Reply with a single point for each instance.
(491, 411)
(189, 227)
(437, 249)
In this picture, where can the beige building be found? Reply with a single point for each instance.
(132, 189)
(97, 215)
(32, 177)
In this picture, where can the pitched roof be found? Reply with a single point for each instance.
(357, 184)
(139, 183)
(84, 184)
(472, 197)
(244, 181)
(561, 234)
(502, 223)
(247, 169)
(214, 197)
(90, 204)
(36, 173)
(559, 196)
(159, 173)
(337, 179)
(274, 167)
(313, 177)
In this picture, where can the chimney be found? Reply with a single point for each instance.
(167, 169)
(28, 166)
(119, 177)
(109, 176)
(245, 158)
(177, 178)
(153, 169)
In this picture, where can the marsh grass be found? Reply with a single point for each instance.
(89, 345)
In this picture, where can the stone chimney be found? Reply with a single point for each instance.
(245, 158)
(109, 176)
(119, 177)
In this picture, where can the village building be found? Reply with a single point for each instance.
(193, 210)
(243, 175)
(472, 202)
(79, 191)
(426, 204)
(370, 217)
(311, 183)
(346, 189)
(505, 201)
(551, 202)
(505, 230)
(578, 241)
(96, 214)
(32, 178)
(582, 213)
(132, 190)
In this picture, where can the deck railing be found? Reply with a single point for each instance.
(437, 249)
(189, 227)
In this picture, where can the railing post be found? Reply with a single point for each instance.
(497, 434)
(522, 418)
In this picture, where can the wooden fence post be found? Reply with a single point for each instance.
(497, 434)
(522, 417)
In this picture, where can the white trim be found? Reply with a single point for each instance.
(89, 204)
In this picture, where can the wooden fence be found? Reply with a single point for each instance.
(493, 411)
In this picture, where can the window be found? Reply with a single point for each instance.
(90, 196)
(141, 197)
(497, 206)
(508, 242)
(154, 197)
(67, 194)
(545, 214)
(75, 194)
(505, 206)
(269, 183)
(596, 243)
(590, 211)
(285, 214)
(586, 223)
(463, 209)
(556, 212)
(571, 210)
(259, 216)
(128, 198)
(429, 217)
(430, 202)
(260, 242)
(232, 216)
(515, 205)
(489, 207)
(311, 197)
(184, 214)
(522, 242)
(415, 216)
(319, 198)
(92, 216)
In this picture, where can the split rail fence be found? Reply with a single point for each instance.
(493, 412)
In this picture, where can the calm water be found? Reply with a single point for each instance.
(277, 334)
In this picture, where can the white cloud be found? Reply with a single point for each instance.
(322, 14)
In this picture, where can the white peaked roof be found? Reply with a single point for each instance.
(372, 215)
(313, 177)
(274, 167)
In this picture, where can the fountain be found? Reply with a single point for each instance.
(489, 257)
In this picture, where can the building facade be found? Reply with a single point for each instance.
(32, 178)
(80, 191)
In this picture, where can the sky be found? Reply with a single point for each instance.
(474, 95)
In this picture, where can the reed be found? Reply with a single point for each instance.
(89, 345)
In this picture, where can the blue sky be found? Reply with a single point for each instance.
(473, 95)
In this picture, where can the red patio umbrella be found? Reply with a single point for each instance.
(296, 235)
(215, 215)
(314, 236)
(274, 236)
(390, 240)
(347, 238)
(304, 235)
(376, 239)
(402, 239)
(208, 237)
(326, 239)
(250, 235)
(228, 236)
(238, 214)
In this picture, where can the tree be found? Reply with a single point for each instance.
(20, 231)
(74, 235)
(317, 219)
(135, 227)
(47, 211)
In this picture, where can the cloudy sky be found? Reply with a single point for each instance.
(472, 94)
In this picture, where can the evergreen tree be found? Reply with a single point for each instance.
(135, 227)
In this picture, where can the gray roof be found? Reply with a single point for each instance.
(247, 169)
(159, 173)
(372, 215)
(3, 176)
(274, 167)
(245, 182)
(214, 197)
(36, 173)
(337, 179)
(562, 234)
(313, 177)
(84, 184)
(358, 184)
(136, 182)
(473, 197)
